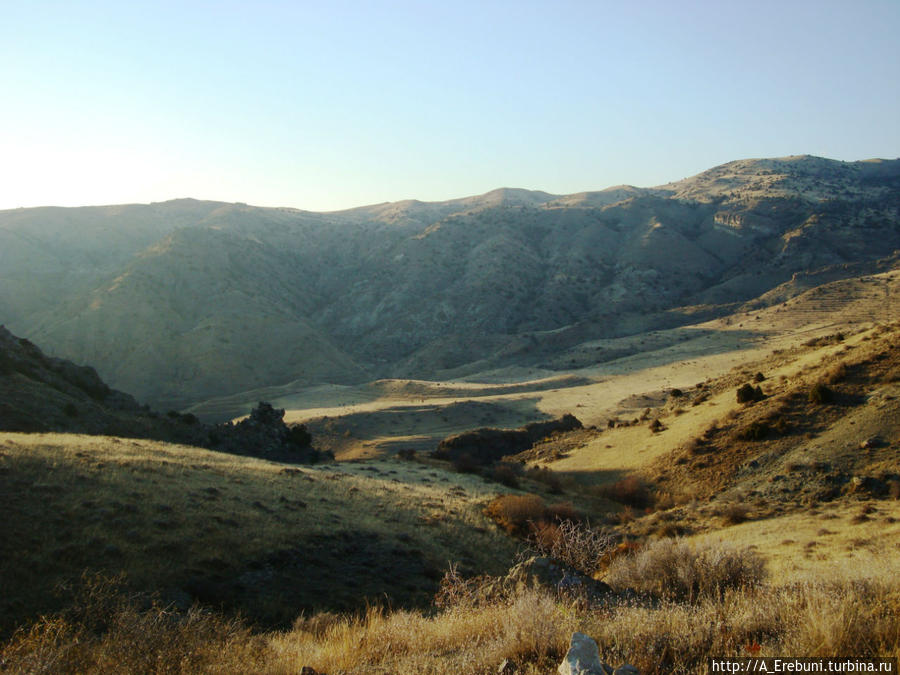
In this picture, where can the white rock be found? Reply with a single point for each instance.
(583, 658)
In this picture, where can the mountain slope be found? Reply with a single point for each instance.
(184, 300)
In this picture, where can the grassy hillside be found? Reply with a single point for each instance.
(766, 524)
(597, 380)
(267, 539)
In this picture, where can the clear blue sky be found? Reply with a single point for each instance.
(331, 104)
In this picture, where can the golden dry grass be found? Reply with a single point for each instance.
(844, 612)
(232, 530)
(167, 514)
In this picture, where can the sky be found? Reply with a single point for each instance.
(333, 104)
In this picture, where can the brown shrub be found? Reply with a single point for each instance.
(514, 512)
(894, 489)
(663, 501)
(836, 373)
(825, 340)
(544, 475)
(457, 591)
(506, 473)
(674, 570)
(630, 491)
(465, 463)
(735, 513)
(820, 394)
(755, 431)
(669, 530)
(574, 543)
(562, 511)
(624, 516)
(747, 393)
(518, 514)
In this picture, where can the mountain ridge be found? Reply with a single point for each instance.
(183, 300)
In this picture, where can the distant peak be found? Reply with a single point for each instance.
(514, 196)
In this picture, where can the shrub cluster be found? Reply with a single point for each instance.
(629, 491)
(519, 514)
(674, 570)
(574, 543)
(544, 475)
(506, 473)
(820, 394)
(747, 393)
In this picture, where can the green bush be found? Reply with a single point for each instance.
(299, 436)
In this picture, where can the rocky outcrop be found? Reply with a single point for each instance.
(42, 393)
(488, 445)
(583, 658)
(544, 573)
(264, 434)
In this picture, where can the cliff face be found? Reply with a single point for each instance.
(184, 300)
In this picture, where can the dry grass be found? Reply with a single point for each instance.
(837, 613)
(708, 601)
(106, 631)
(674, 569)
(192, 522)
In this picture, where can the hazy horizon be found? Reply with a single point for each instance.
(322, 109)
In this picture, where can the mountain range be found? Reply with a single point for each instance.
(181, 301)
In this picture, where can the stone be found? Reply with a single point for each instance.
(550, 574)
(583, 658)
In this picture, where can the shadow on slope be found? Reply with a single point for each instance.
(418, 426)
(266, 539)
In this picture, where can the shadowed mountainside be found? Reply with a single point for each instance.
(184, 300)
(42, 394)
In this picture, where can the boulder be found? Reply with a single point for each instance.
(583, 658)
(550, 574)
